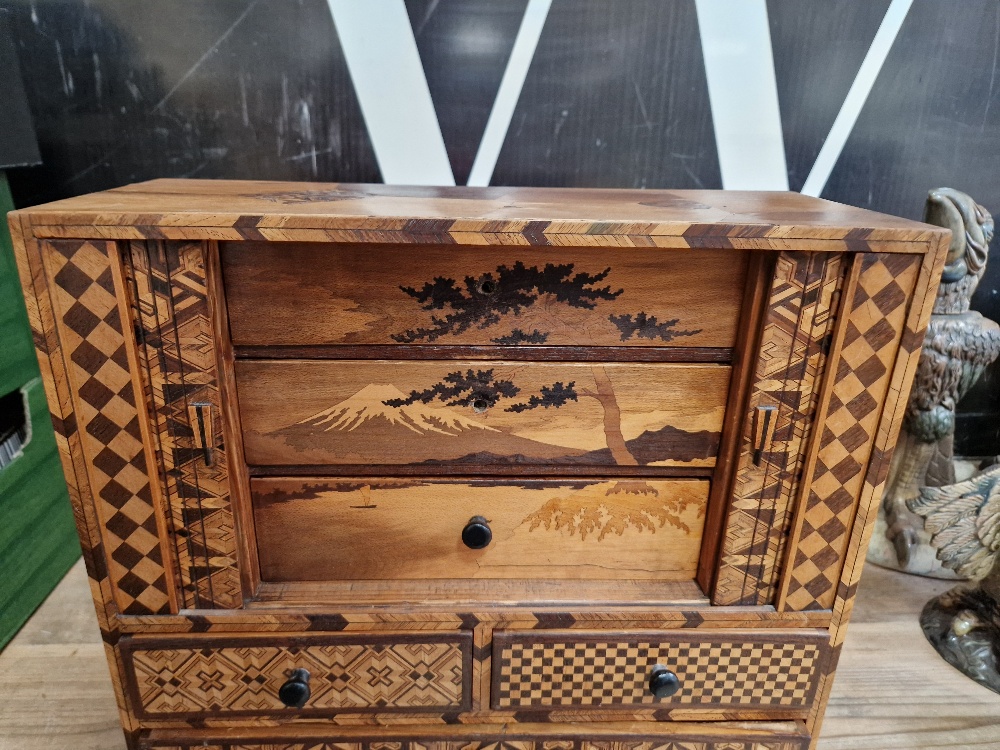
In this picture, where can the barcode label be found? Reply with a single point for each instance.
(11, 446)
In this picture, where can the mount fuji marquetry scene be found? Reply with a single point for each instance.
(494, 412)
(470, 415)
(481, 413)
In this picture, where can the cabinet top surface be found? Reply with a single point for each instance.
(582, 211)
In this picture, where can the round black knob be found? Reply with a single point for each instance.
(477, 533)
(662, 682)
(295, 692)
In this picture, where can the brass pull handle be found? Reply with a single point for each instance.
(203, 426)
(764, 420)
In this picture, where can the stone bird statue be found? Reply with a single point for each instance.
(964, 522)
(959, 345)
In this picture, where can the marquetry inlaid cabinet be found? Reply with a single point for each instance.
(380, 467)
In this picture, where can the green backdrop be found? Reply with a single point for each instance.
(38, 540)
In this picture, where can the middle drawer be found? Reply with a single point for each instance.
(480, 413)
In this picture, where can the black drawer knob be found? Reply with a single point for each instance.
(477, 533)
(295, 692)
(662, 682)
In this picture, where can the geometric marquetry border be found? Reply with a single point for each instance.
(798, 322)
(84, 286)
(538, 737)
(211, 678)
(170, 308)
(860, 375)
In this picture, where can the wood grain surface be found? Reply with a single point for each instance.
(617, 735)
(475, 413)
(314, 529)
(321, 294)
(482, 215)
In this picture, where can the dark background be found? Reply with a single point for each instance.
(128, 90)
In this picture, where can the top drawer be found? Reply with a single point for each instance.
(322, 294)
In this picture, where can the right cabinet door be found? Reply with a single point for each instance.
(832, 329)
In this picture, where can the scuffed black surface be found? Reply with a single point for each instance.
(616, 96)
(18, 146)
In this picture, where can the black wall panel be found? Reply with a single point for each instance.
(616, 96)
(124, 91)
(816, 57)
(17, 135)
(464, 46)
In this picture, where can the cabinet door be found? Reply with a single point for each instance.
(833, 328)
(178, 346)
(789, 356)
(125, 335)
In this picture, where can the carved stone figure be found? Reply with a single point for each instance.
(963, 624)
(959, 345)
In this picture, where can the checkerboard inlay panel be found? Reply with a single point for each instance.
(542, 673)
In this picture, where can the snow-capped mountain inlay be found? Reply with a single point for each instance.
(367, 405)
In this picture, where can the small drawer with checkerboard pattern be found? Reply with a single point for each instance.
(736, 672)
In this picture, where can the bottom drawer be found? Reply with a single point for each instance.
(632, 736)
(242, 676)
(365, 528)
(775, 672)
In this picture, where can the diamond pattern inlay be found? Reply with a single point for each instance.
(876, 320)
(86, 305)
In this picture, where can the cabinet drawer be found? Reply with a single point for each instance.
(315, 529)
(484, 413)
(773, 672)
(349, 294)
(187, 677)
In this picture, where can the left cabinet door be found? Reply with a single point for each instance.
(126, 333)
(178, 349)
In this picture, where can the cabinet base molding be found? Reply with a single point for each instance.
(621, 736)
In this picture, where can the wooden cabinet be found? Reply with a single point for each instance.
(456, 467)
